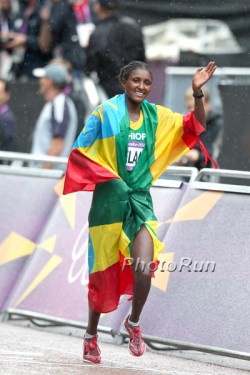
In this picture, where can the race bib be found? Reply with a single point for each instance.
(135, 146)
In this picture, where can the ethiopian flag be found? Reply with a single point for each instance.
(121, 200)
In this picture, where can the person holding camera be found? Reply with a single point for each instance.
(24, 40)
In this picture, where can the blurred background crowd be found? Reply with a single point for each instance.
(42, 110)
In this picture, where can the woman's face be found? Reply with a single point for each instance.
(138, 85)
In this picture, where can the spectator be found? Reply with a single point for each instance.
(62, 29)
(7, 119)
(115, 42)
(56, 126)
(5, 28)
(82, 11)
(211, 138)
(75, 93)
(60, 61)
(25, 40)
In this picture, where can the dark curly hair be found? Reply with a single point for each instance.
(133, 65)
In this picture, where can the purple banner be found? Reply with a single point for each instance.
(207, 297)
(26, 204)
(55, 283)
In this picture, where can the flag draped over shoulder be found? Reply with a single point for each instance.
(121, 200)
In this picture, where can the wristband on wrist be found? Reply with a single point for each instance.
(198, 96)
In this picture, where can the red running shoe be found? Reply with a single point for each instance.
(136, 344)
(91, 350)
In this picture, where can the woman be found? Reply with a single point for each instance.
(125, 146)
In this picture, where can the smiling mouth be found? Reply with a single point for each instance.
(138, 93)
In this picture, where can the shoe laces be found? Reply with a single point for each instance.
(137, 335)
(92, 346)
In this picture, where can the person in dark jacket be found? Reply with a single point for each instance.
(63, 24)
(115, 42)
(211, 138)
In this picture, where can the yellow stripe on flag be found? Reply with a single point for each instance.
(105, 240)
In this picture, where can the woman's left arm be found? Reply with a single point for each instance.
(201, 76)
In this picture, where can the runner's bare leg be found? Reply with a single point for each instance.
(142, 248)
(94, 317)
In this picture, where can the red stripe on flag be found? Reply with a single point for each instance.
(104, 290)
(192, 131)
(107, 286)
(83, 173)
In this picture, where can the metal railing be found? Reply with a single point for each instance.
(189, 172)
(23, 157)
(174, 176)
(218, 186)
(16, 164)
